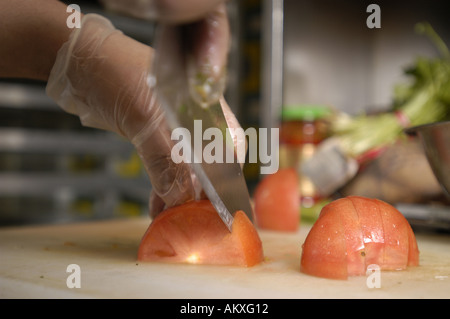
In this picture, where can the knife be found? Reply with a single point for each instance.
(222, 180)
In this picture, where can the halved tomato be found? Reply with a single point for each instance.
(194, 233)
(277, 201)
(371, 232)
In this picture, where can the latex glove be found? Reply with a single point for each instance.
(101, 75)
(197, 61)
(203, 22)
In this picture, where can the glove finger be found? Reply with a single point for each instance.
(156, 204)
(170, 181)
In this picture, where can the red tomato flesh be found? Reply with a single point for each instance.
(277, 201)
(194, 233)
(354, 232)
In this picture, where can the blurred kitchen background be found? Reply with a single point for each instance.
(285, 55)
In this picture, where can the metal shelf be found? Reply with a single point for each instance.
(48, 184)
(26, 96)
(44, 174)
(46, 141)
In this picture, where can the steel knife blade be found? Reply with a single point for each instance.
(222, 179)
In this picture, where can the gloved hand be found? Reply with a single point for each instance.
(203, 22)
(100, 75)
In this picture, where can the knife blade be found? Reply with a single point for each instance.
(222, 179)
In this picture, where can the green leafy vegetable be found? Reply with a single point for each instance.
(425, 100)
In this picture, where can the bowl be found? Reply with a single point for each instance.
(435, 139)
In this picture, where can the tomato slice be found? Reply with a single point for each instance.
(363, 231)
(324, 252)
(194, 233)
(277, 201)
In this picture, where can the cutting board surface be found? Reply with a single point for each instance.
(34, 261)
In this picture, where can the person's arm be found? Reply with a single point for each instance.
(99, 74)
(31, 32)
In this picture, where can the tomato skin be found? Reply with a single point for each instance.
(194, 233)
(396, 241)
(324, 253)
(413, 252)
(372, 229)
(245, 235)
(372, 232)
(277, 201)
(354, 240)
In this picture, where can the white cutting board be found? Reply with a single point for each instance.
(34, 260)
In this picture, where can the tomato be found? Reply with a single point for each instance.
(194, 233)
(277, 201)
(354, 232)
(324, 252)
